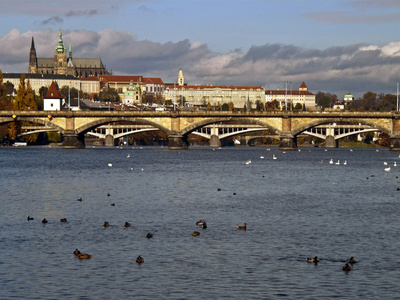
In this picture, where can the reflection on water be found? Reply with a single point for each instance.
(294, 208)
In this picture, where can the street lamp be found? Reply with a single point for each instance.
(286, 96)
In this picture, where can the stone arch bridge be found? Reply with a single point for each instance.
(179, 124)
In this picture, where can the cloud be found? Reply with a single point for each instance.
(52, 21)
(82, 13)
(354, 68)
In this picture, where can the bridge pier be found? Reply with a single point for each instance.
(177, 142)
(109, 141)
(215, 141)
(287, 142)
(71, 140)
(394, 143)
(330, 142)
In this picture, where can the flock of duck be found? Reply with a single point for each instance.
(201, 223)
(347, 266)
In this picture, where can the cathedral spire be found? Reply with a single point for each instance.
(70, 51)
(32, 68)
(60, 47)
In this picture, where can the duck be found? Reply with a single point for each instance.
(63, 220)
(149, 235)
(106, 224)
(218, 189)
(244, 227)
(127, 224)
(346, 267)
(320, 161)
(351, 260)
(200, 223)
(313, 259)
(76, 252)
(84, 256)
(112, 204)
(331, 161)
(274, 157)
(79, 199)
(139, 259)
(195, 233)
(29, 218)
(387, 169)
(44, 221)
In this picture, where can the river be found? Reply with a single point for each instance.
(294, 208)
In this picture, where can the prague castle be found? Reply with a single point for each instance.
(62, 64)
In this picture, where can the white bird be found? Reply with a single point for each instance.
(248, 162)
(385, 163)
(395, 164)
(377, 150)
(326, 149)
(273, 156)
(110, 164)
(262, 157)
(387, 169)
(345, 162)
(128, 156)
(351, 150)
(331, 161)
(337, 163)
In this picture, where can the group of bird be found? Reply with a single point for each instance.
(201, 223)
(347, 266)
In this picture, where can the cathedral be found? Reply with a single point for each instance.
(62, 64)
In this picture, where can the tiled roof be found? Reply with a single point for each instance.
(152, 80)
(120, 78)
(203, 87)
(303, 85)
(53, 92)
(283, 92)
(38, 76)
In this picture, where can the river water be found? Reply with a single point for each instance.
(294, 208)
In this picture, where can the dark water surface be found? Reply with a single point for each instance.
(294, 208)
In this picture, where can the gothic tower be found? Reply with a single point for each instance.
(33, 67)
(60, 58)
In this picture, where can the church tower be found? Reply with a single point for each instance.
(33, 68)
(181, 80)
(60, 58)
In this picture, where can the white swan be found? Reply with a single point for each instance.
(345, 162)
(273, 156)
(387, 169)
(331, 161)
(337, 163)
(110, 164)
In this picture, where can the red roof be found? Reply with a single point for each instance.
(283, 92)
(303, 85)
(53, 92)
(202, 87)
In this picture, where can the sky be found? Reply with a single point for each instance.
(334, 46)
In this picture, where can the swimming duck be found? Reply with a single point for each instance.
(44, 221)
(127, 224)
(112, 204)
(351, 260)
(106, 224)
(29, 218)
(139, 259)
(195, 233)
(244, 227)
(313, 259)
(346, 267)
(79, 199)
(149, 235)
(63, 220)
(84, 256)
(201, 223)
(76, 252)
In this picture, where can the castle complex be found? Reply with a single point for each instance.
(62, 64)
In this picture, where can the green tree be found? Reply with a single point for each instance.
(110, 95)
(225, 107)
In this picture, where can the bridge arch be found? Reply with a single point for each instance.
(41, 121)
(187, 130)
(312, 124)
(87, 127)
